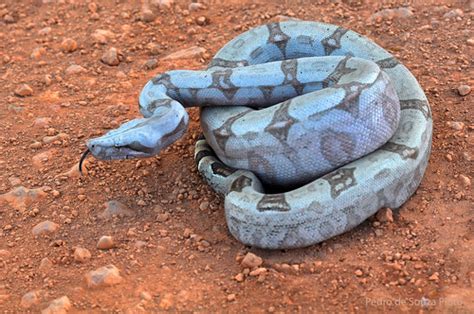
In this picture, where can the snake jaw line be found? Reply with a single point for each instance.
(83, 157)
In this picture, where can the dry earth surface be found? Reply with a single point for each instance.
(149, 235)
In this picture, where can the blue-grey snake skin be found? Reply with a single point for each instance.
(310, 108)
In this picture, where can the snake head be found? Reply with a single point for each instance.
(143, 137)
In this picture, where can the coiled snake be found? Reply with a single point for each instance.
(309, 129)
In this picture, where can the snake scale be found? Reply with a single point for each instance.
(309, 129)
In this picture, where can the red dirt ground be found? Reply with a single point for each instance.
(173, 249)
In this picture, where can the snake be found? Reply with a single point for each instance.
(308, 130)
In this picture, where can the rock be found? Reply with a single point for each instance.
(42, 122)
(92, 7)
(257, 272)
(187, 53)
(58, 306)
(69, 45)
(151, 64)
(37, 53)
(23, 90)
(139, 244)
(283, 18)
(145, 296)
(358, 273)
(251, 261)
(389, 14)
(434, 277)
(81, 255)
(74, 171)
(9, 19)
(163, 217)
(455, 125)
(39, 160)
(115, 208)
(47, 80)
(14, 181)
(44, 31)
(111, 57)
(453, 14)
(466, 156)
(30, 299)
(101, 36)
(239, 277)
(45, 227)
(54, 138)
(465, 180)
(464, 90)
(195, 6)
(470, 41)
(20, 197)
(204, 205)
(74, 69)
(166, 301)
(4, 254)
(202, 20)
(163, 4)
(147, 16)
(154, 48)
(104, 276)
(105, 243)
(231, 297)
(384, 215)
(45, 265)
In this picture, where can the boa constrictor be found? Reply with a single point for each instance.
(312, 108)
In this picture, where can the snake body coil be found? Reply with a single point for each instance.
(305, 105)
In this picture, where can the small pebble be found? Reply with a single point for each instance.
(434, 277)
(58, 306)
(251, 261)
(187, 53)
(464, 90)
(147, 16)
(104, 276)
(74, 69)
(105, 243)
(231, 297)
(239, 277)
(204, 205)
(24, 90)
(45, 227)
(115, 208)
(465, 180)
(257, 272)
(385, 215)
(111, 57)
(30, 299)
(45, 265)
(81, 255)
(453, 13)
(69, 45)
(44, 31)
(163, 4)
(455, 125)
(166, 301)
(195, 6)
(202, 20)
(37, 53)
(151, 64)
(145, 296)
